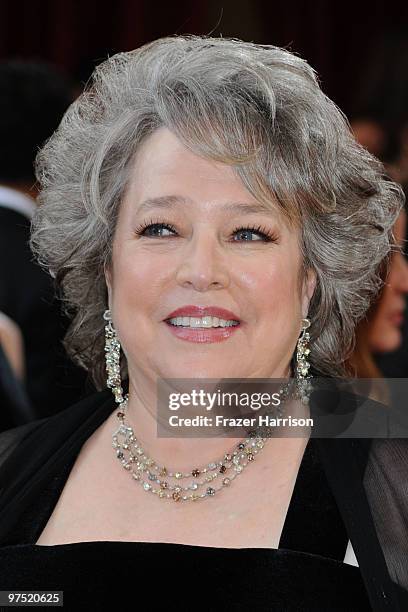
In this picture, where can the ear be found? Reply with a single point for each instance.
(309, 287)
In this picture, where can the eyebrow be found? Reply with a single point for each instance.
(172, 201)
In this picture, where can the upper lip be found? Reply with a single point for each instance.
(203, 311)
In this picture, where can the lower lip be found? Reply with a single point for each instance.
(397, 319)
(201, 334)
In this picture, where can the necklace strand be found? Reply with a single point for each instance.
(229, 467)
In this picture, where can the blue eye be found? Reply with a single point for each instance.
(154, 229)
(141, 230)
(266, 235)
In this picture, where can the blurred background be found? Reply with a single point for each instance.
(358, 49)
(48, 51)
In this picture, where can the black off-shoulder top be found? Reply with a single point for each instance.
(305, 573)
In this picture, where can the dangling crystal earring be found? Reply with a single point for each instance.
(302, 363)
(112, 359)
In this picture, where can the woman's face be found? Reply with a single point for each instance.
(194, 255)
(385, 333)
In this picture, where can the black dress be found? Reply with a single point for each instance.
(328, 507)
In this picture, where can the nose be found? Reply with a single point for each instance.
(203, 266)
(400, 281)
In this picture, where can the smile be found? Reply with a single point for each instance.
(205, 322)
(202, 329)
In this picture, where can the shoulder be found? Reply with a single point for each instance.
(42, 435)
(34, 453)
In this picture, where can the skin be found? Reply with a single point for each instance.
(11, 340)
(203, 263)
(385, 330)
(30, 189)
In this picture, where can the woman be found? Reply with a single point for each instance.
(380, 330)
(201, 182)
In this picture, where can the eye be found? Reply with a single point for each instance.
(267, 236)
(155, 227)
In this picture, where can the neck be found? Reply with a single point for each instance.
(153, 431)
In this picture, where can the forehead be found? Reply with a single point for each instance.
(162, 156)
(163, 168)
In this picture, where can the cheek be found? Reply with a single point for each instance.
(380, 319)
(274, 289)
(136, 298)
(383, 334)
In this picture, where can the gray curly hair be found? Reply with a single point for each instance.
(256, 107)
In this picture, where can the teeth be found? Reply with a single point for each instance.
(202, 322)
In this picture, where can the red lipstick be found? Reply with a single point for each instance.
(201, 334)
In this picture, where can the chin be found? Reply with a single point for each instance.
(390, 342)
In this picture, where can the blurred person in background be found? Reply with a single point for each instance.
(379, 332)
(15, 406)
(34, 97)
(379, 121)
(12, 343)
